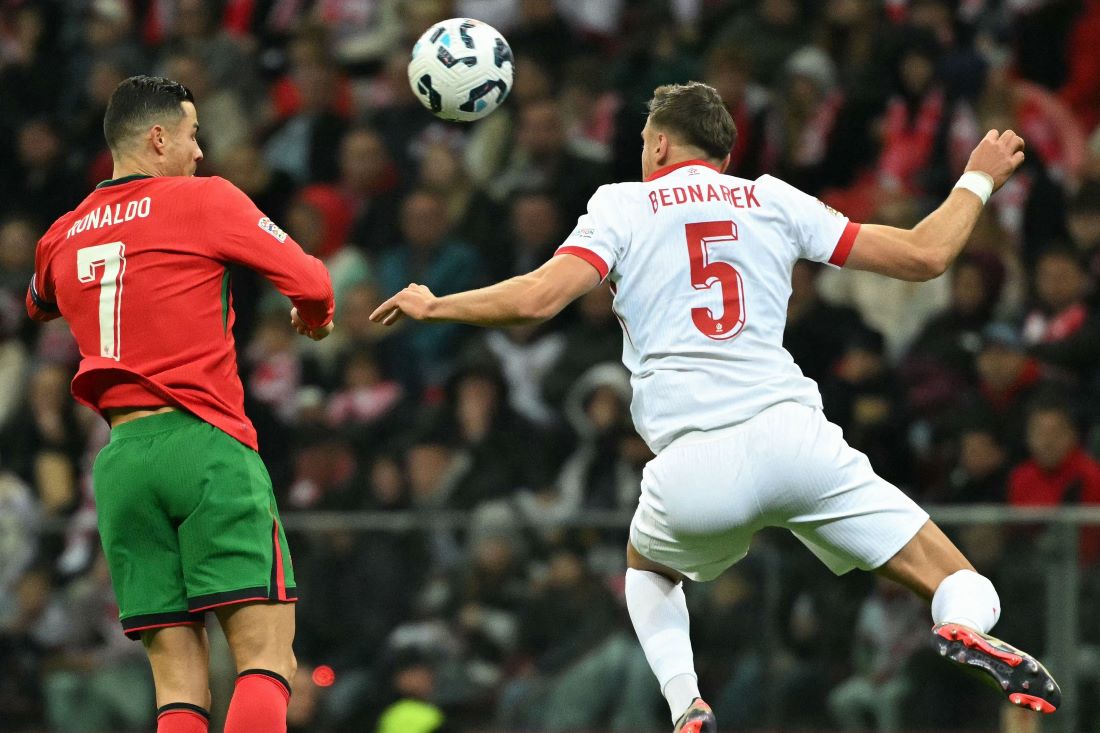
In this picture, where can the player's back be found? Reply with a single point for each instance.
(701, 267)
(139, 270)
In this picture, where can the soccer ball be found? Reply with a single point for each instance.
(461, 69)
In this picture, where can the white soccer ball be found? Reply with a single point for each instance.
(461, 69)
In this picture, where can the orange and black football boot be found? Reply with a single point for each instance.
(1019, 675)
(698, 718)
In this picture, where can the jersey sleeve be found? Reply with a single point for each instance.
(601, 234)
(243, 235)
(820, 232)
(41, 302)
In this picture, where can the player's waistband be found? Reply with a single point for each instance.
(726, 431)
(158, 423)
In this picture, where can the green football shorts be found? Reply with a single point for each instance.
(188, 522)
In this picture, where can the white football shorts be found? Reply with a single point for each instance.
(707, 493)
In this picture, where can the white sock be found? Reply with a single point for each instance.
(966, 598)
(658, 610)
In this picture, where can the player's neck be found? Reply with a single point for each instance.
(130, 167)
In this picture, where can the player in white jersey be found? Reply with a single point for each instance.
(700, 264)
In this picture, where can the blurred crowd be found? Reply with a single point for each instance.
(978, 387)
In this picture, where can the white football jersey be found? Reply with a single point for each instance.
(700, 264)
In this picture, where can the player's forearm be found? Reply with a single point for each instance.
(945, 232)
(923, 252)
(512, 302)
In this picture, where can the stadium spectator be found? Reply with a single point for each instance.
(584, 671)
(429, 254)
(729, 71)
(941, 358)
(543, 158)
(890, 627)
(594, 338)
(981, 472)
(489, 438)
(320, 220)
(223, 109)
(1060, 330)
(310, 107)
(817, 331)
(97, 679)
(604, 470)
(1007, 380)
(1083, 223)
(769, 33)
(1058, 471)
(194, 26)
(865, 399)
(43, 182)
(370, 183)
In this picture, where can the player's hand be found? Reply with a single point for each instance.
(303, 328)
(998, 155)
(414, 301)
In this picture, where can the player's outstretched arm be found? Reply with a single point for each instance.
(532, 298)
(928, 249)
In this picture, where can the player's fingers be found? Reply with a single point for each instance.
(381, 310)
(1007, 135)
(992, 135)
(393, 317)
(1017, 158)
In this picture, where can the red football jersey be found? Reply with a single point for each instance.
(138, 270)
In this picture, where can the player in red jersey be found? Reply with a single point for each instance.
(186, 513)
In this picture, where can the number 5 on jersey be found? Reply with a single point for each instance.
(110, 257)
(705, 273)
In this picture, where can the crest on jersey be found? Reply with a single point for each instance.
(270, 227)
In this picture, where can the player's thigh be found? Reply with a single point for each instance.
(697, 511)
(180, 660)
(833, 501)
(260, 636)
(138, 536)
(232, 544)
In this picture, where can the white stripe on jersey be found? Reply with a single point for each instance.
(700, 263)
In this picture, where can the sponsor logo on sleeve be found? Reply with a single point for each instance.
(584, 232)
(830, 209)
(269, 226)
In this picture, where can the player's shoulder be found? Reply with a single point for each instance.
(614, 197)
(215, 185)
(57, 230)
(768, 182)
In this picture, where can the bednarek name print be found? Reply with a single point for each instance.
(107, 215)
(739, 197)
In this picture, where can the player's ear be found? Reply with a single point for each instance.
(159, 137)
(662, 148)
(725, 164)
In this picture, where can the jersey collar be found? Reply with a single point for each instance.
(676, 166)
(124, 179)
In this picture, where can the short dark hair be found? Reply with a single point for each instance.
(696, 113)
(141, 101)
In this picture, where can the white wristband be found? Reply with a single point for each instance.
(978, 183)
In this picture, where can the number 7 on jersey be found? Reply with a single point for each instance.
(111, 258)
(705, 273)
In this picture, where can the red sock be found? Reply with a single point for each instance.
(182, 717)
(259, 703)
